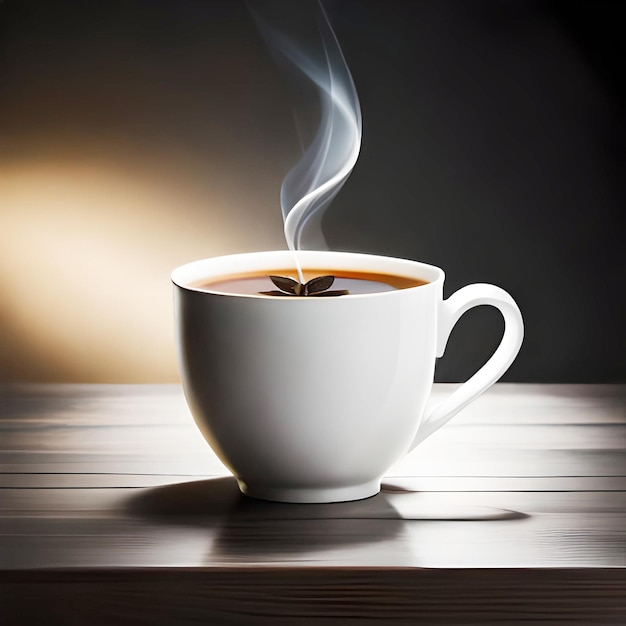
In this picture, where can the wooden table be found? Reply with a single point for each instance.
(114, 510)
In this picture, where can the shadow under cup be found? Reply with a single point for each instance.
(307, 399)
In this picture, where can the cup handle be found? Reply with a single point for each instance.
(450, 312)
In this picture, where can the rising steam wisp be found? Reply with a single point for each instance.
(315, 180)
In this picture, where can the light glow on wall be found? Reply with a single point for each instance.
(86, 253)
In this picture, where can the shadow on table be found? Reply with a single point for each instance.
(245, 526)
(216, 499)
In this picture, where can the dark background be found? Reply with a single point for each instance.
(493, 146)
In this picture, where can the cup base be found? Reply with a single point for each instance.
(307, 495)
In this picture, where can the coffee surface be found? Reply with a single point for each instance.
(354, 282)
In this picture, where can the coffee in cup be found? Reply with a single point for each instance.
(344, 282)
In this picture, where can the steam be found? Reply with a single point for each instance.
(315, 180)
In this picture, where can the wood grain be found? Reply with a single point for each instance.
(317, 595)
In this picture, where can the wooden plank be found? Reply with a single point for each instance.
(512, 430)
(318, 595)
(208, 523)
(217, 496)
(155, 405)
(149, 440)
(71, 480)
(541, 541)
(434, 461)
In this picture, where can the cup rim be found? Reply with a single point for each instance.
(233, 264)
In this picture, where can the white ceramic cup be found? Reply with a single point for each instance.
(313, 399)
